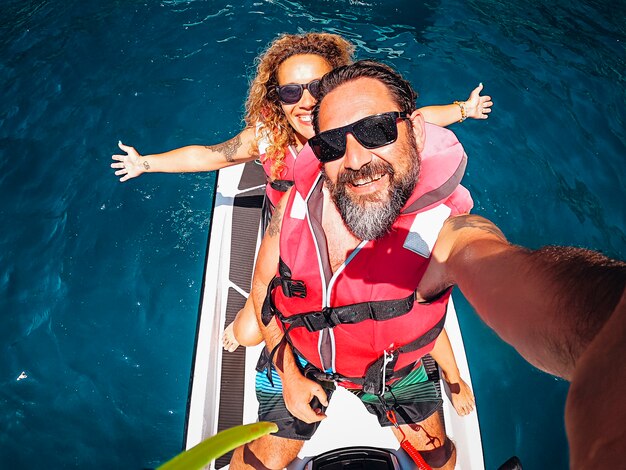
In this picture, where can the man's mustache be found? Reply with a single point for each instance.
(368, 171)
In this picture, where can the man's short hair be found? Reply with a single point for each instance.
(401, 90)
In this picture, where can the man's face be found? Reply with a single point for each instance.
(369, 186)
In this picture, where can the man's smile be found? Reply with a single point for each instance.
(367, 180)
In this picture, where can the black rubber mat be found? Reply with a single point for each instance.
(232, 383)
(253, 175)
(246, 220)
(245, 229)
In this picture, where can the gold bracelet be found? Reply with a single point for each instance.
(461, 105)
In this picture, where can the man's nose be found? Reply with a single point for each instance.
(356, 155)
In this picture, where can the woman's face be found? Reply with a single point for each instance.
(301, 69)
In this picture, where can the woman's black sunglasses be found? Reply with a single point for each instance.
(291, 94)
(371, 132)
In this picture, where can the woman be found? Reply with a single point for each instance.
(278, 124)
(278, 109)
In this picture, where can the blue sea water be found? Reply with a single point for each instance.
(100, 281)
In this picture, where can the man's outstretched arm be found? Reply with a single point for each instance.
(547, 303)
(563, 309)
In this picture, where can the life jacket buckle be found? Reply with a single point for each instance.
(331, 319)
(316, 321)
(312, 372)
(293, 287)
(309, 321)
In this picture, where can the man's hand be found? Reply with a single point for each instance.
(298, 392)
(129, 165)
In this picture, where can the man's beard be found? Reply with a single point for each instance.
(371, 216)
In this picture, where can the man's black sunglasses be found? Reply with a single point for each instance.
(291, 94)
(371, 132)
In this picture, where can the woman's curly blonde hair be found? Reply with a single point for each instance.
(263, 105)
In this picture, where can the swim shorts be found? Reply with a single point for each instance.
(413, 398)
(269, 393)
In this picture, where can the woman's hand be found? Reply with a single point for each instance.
(476, 106)
(130, 165)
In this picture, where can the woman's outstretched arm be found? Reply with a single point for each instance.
(187, 159)
(475, 107)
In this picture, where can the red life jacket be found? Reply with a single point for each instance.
(345, 323)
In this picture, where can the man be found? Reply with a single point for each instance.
(369, 140)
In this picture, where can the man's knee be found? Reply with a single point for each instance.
(430, 439)
(440, 456)
(263, 460)
(268, 453)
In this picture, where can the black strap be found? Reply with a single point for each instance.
(330, 317)
(268, 311)
(281, 185)
(375, 381)
(290, 287)
(266, 360)
(314, 372)
(267, 210)
(377, 375)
